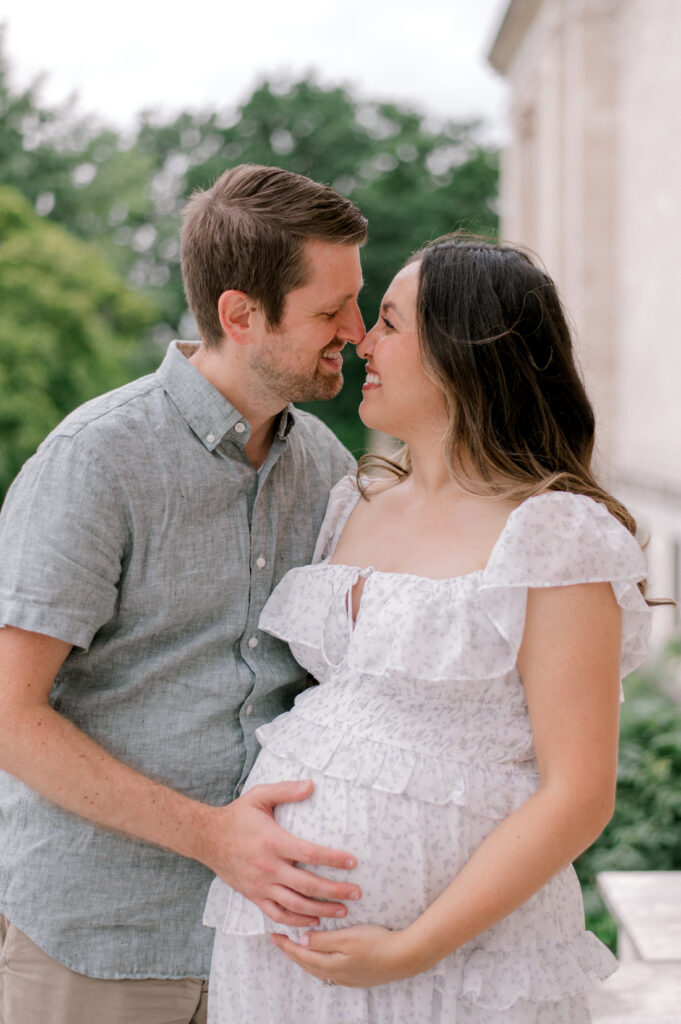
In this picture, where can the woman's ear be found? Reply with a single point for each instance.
(236, 312)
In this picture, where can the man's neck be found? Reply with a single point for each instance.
(227, 370)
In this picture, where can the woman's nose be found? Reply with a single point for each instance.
(366, 345)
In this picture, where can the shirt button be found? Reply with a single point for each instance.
(249, 709)
(260, 562)
(240, 427)
(210, 438)
(253, 642)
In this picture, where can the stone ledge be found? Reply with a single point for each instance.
(639, 993)
(647, 908)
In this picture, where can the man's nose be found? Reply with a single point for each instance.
(352, 329)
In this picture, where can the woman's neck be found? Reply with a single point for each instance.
(430, 473)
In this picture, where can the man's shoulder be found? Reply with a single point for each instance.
(315, 433)
(321, 459)
(112, 413)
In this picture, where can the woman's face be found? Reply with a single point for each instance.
(398, 397)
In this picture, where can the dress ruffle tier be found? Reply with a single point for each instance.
(393, 769)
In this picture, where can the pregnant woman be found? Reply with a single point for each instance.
(468, 617)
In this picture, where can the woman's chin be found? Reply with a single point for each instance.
(372, 419)
(369, 417)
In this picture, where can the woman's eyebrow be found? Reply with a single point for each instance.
(389, 306)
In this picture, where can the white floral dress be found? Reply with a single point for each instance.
(419, 743)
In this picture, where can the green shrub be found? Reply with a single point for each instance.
(645, 831)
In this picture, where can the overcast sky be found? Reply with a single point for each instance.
(131, 55)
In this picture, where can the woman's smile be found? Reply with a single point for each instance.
(372, 381)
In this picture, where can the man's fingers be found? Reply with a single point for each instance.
(304, 852)
(283, 916)
(267, 795)
(292, 848)
(291, 900)
(317, 888)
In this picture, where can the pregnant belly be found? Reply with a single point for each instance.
(407, 851)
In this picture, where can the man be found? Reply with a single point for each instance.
(138, 547)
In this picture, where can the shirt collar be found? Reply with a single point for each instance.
(287, 420)
(209, 414)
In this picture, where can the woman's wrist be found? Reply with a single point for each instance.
(420, 948)
(414, 953)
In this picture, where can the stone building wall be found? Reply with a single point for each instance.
(591, 180)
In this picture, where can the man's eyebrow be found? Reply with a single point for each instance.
(344, 298)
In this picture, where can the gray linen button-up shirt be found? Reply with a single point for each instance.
(141, 534)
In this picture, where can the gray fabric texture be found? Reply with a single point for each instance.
(141, 534)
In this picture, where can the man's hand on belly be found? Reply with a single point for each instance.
(245, 847)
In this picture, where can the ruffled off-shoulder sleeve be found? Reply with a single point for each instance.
(562, 539)
(342, 500)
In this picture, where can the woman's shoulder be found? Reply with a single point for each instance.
(342, 499)
(559, 538)
(562, 537)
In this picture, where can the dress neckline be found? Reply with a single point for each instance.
(370, 570)
(365, 573)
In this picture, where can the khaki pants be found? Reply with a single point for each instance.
(35, 989)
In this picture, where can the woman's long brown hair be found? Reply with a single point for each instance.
(494, 338)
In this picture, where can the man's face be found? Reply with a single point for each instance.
(300, 360)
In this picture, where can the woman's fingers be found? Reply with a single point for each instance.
(311, 961)
(323, 942)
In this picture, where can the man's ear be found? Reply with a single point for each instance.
(236, 311)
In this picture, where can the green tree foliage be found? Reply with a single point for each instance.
(414, 180)
(645, 831)
(69, 328)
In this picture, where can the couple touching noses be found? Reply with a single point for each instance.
(393, 844)
(302, 358)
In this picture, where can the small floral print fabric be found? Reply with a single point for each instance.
(419, 742)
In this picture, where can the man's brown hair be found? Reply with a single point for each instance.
(248, 232)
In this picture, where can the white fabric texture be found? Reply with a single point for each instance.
(419, 742)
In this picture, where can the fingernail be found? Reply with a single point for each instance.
(350, 863)
(303, 784)
(340, 913)
(354, 895)
(305, 939)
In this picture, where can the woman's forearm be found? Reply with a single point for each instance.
(534, 843)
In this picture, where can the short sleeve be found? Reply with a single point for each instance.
(563, 539)
(63, 533)
(342, 500)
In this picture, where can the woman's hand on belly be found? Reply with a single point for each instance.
(358, 957)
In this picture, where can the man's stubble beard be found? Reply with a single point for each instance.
(292, 385)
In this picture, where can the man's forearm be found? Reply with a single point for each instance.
(240, 841)
(67, 767)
